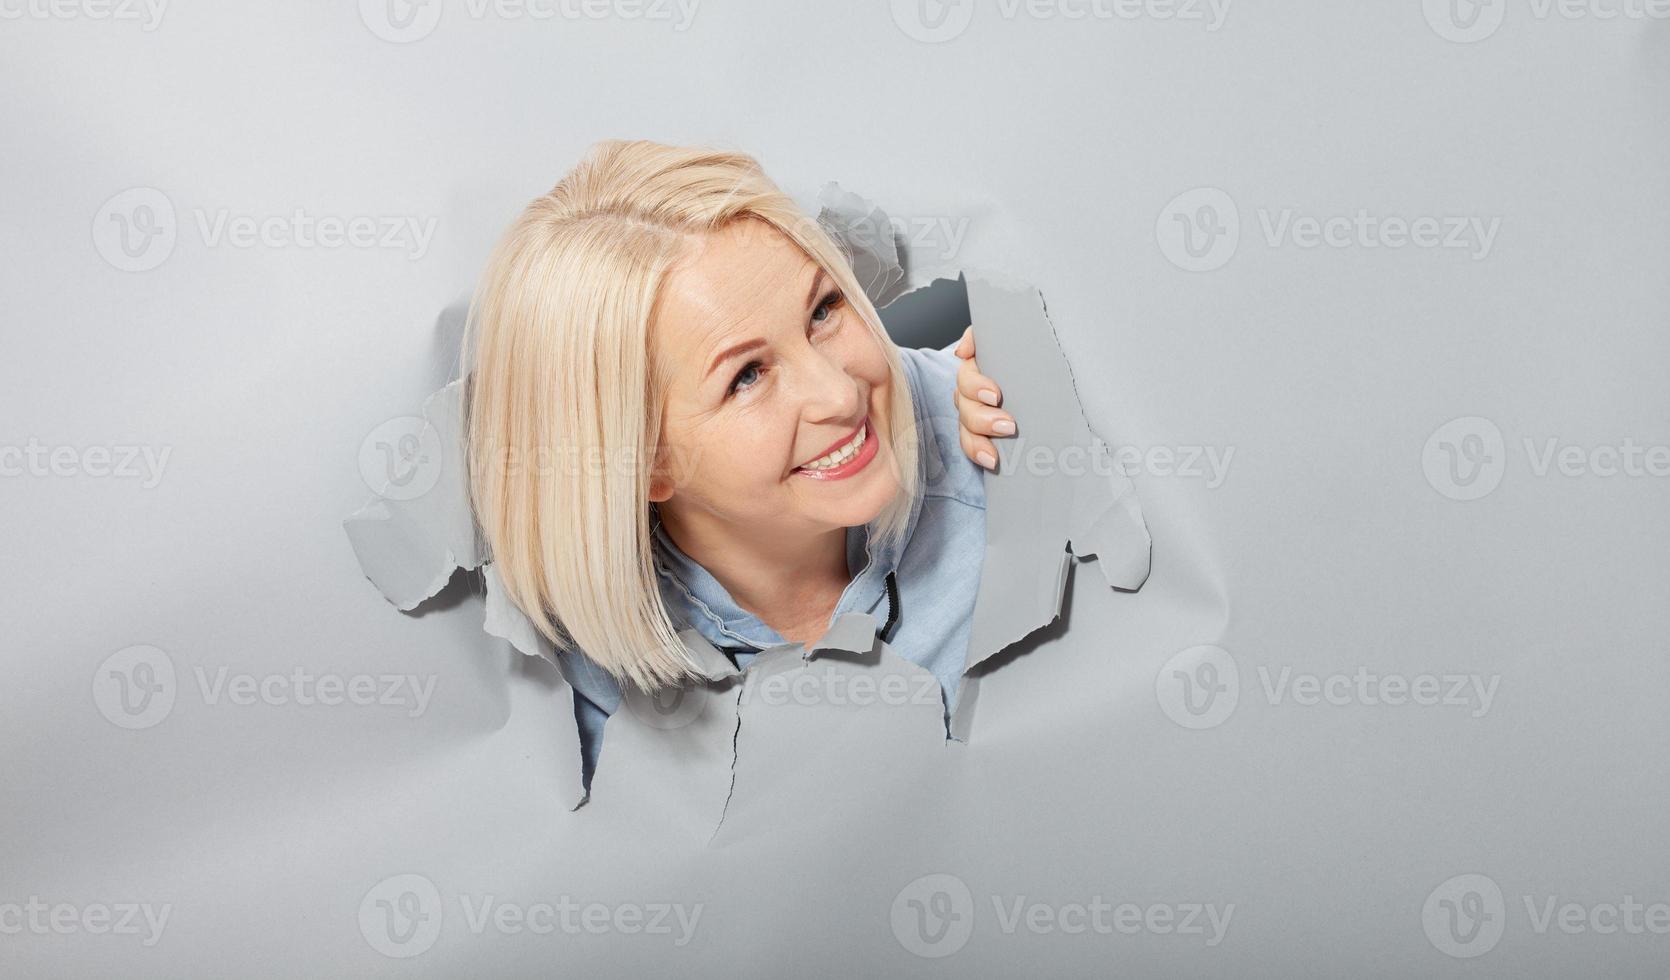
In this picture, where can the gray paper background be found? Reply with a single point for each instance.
(1059, 149)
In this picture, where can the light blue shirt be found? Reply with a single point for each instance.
(936, 568)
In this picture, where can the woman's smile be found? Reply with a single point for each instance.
(845, 458)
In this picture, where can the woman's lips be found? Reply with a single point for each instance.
(859, 460)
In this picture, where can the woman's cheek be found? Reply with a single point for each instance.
(753, 457)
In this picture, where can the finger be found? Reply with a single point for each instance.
(965, 344)
(972, 384)
(979, 449)
(981, 420)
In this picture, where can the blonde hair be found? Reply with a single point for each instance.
(557, 342)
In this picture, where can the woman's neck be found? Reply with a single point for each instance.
(792, 584)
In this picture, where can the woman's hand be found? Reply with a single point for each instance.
(978, 398)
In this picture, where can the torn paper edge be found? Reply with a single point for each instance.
(1104, 518)
(409, 548)
(864, 233)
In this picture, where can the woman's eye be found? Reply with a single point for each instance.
(826, 308)
(750, 371)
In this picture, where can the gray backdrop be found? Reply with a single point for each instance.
(1374, 295)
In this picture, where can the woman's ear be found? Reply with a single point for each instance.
(660, 479)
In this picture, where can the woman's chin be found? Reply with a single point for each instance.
(852, 502)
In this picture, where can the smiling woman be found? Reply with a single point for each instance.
(776, 426)
(753, 440)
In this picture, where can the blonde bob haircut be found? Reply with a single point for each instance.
(564, 401)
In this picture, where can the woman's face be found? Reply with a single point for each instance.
(776, 416)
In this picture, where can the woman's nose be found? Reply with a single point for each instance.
(830, 393)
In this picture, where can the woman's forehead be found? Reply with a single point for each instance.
(735, 279)
(744, 250)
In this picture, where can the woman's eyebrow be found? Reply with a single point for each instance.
(747, 345)
(817, 280)
(732, 351)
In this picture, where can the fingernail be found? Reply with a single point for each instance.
(986, 459)
(1004, 427)
(988, 396)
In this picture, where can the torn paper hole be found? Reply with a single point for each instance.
(1035, 524)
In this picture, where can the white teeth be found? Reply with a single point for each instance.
(841, 455)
